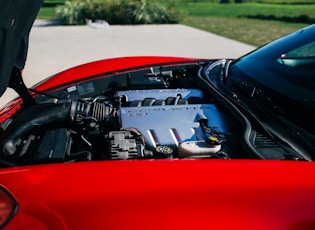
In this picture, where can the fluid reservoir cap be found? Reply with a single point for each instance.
(212, 140)
(164, 151)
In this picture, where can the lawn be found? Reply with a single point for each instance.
(236, 10)
(233, 20)
(229, 19)
(251, 31)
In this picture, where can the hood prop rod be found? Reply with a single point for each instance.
(16, 83)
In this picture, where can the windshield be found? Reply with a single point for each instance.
(284, 71)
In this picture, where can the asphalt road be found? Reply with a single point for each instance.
(54, 48)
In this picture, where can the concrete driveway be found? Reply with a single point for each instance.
(56, 48)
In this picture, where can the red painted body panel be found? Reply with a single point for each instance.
(164, 194)
(9, 109)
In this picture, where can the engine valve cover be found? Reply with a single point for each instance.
(170, 125)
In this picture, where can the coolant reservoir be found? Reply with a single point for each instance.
(197, 149)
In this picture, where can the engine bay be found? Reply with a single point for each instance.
(162, 112)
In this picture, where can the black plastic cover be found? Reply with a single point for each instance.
(16, 20)
(49, 151)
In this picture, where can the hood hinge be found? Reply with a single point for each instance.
(16, 83)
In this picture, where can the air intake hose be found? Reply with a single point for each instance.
(43, 115)
(34, 117)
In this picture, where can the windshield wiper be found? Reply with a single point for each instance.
(226, 68)
(217, 71)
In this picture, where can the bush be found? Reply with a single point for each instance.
(70, 12)
(76, 12)
(143, 12)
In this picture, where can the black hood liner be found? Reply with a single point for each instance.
(16, 20)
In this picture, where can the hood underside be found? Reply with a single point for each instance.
(16, 20)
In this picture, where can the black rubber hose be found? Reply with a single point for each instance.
(35, 117)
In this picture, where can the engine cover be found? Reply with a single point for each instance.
(169, 124)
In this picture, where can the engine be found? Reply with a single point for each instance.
(161, 112)
(131, 124)
(151, 113)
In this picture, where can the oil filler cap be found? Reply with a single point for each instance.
(163, 151)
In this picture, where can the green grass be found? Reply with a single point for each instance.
(46, 13)
(251, 1)
(235, 10)
(251, 31)
(224, 19)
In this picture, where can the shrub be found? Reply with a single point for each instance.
(76, 12)
(70, 13)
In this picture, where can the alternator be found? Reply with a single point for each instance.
(124, 146)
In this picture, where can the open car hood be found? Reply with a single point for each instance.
(16, 20)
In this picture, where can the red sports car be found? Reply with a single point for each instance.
(158, 142)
